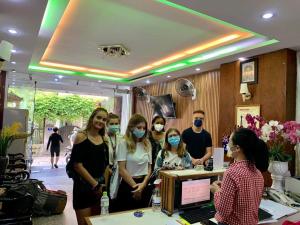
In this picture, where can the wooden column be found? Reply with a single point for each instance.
(2, 95)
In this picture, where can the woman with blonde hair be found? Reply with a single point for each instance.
(173, 155)
(89, 159)
(134, 159)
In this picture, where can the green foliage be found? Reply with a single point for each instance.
(66, 108)
(277, 153)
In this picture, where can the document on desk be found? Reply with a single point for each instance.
(276, 209)
(193, 172)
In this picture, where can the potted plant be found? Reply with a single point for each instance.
(7, 135)
(277, 136)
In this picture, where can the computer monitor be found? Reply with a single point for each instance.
(194, 193)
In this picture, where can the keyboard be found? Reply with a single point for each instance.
(198, 215)
(262, 214)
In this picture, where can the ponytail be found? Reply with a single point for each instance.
(254, 149)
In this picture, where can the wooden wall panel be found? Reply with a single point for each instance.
(207, 85)
(274, 92)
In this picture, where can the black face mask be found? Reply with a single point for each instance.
(198, 123)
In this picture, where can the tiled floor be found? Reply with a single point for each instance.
(54, 179)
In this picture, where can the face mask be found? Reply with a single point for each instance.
(158, 127)
(198, 123)
(138, 133)
(113, 128)
(174, 141)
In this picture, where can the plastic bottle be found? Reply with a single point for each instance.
(104, 204)
(156, 198)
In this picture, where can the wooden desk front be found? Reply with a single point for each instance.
(169, 178)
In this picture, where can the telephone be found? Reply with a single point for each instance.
(281, 198)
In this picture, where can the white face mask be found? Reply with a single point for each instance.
(158, 127)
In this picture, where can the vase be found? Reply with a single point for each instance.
(3, 164)
(278, 170)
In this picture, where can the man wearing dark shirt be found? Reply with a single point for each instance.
(55, 140)
(198, 141)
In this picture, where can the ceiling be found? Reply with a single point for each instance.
(166, 39)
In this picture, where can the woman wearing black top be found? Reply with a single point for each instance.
(157, 136)
(90, 157)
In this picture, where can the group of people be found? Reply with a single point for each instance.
(141, 152)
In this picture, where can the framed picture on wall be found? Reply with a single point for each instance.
(243, 110)
(249, 71)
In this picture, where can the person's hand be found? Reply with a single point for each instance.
(215, 186)
(194, 161)
(137, 193)
(99, 191)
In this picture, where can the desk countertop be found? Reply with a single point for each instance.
(154, 218)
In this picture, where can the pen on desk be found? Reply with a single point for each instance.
(178, 221)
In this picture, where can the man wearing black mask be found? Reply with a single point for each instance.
(198, 141)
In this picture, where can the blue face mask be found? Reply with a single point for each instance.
(174, 141)
(138, 133)
(113, 128)
(198, 123)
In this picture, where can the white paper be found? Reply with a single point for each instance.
(218, 158)
(276, 209)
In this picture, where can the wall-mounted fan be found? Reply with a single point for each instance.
(141, 94)
(185, 88)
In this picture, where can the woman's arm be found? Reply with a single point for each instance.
(224, 198)
(125, 175)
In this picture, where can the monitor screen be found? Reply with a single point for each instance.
(195, 192)
(163, 106)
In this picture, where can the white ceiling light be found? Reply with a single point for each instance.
(13, 51)
(168, 76)
(197, 69)
(60, 76)
(55, 79)
(267, 15)
(148, 81)
(12, 31)
(99, 81)
(242, 59)
(13, 62)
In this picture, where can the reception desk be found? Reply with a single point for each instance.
(169, 178)
(154, 218)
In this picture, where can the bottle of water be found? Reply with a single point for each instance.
(104, 204)
(156, 199)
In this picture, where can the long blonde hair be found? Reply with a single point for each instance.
(129, 137)
(180, 149)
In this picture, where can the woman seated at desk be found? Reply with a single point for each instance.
(173, 155)
(238, 197)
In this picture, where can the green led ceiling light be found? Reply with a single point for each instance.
(69, 72)
(50, 70)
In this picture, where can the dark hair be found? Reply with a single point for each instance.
(112, 116)
(254, 149)
(90, 121)
(55, 129)
(154, 119)
(199, 111)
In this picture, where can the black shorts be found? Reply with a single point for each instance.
(54, 150)
(84, 196)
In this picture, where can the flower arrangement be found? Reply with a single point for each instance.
(225, 141)
(7, 135)
(277, 135)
